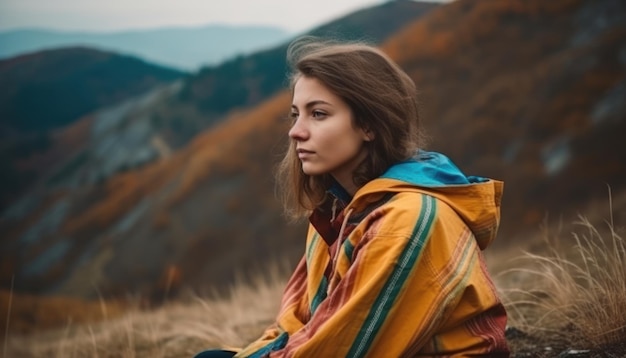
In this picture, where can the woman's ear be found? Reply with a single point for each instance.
(369, 135)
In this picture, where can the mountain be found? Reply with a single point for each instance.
(44, 91)
(531, 92)
(140, 132)
(51, 231)
(183, 48)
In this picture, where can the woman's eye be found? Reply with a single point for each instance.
(293, 115)
(318, 114)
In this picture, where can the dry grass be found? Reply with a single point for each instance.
(178, 329)
(575, 294)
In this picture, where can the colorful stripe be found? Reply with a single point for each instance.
(348, 249)
(320, 295)
(394, 285)
(274, 345)
(311, 248)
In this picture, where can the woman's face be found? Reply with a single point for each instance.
(325, 138)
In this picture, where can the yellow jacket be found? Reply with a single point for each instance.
(396, 271)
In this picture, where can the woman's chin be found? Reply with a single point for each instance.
(309, 169)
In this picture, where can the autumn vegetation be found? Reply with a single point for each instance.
(505, 87)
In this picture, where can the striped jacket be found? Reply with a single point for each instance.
(396, 271)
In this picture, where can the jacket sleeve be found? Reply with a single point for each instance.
(404, 275)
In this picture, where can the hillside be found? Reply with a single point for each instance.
(545, 114)
(48, 90)
(99, 209)
(184, 48)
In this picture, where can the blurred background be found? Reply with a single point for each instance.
(138, 140)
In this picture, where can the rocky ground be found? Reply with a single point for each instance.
(523, 344)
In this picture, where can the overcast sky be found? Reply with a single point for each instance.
(115, 15)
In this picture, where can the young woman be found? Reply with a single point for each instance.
(393, 264)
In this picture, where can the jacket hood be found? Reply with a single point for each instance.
(475, 199)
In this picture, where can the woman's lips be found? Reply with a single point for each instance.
(303, 153)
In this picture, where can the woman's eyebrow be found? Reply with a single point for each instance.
(312, 104)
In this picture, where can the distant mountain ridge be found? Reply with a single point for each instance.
(184, 48)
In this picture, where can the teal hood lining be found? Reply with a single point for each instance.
(430, 169)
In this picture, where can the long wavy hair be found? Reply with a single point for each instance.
(383, 100)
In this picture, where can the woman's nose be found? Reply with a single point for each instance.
(298, 131)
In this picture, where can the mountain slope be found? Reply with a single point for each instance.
(532, 93)
(45, 91)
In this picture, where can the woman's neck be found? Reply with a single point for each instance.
(344, 191)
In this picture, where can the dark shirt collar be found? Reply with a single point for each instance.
(327, 218)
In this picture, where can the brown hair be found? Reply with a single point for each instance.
(383, 100)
